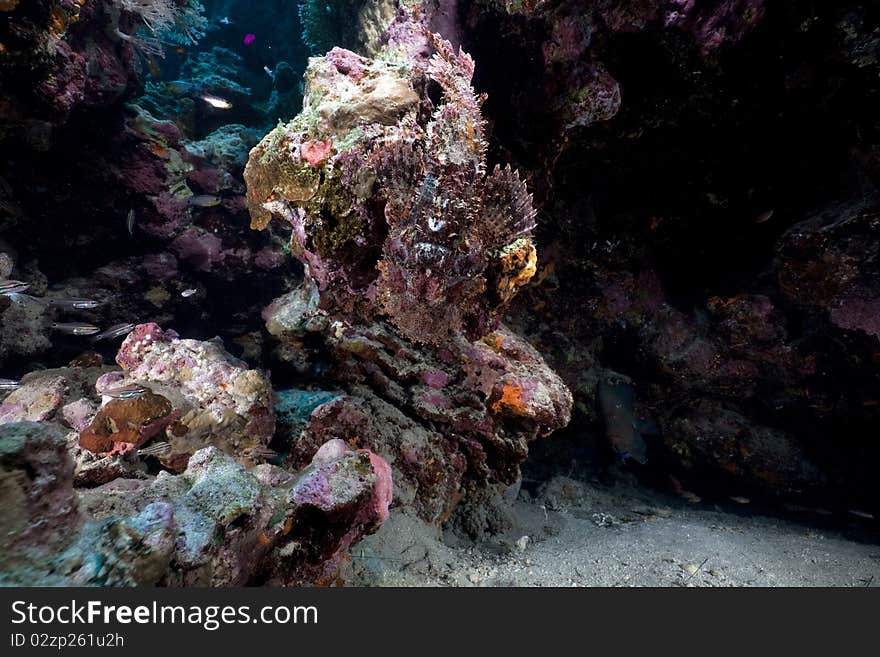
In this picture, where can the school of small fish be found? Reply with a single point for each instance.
(14, 290)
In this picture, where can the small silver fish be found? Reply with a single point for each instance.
(129, 222)
(75, 304)
(180, 87)
(262, 452)
(186, 294)
(114, 332)
(269, 72)
(130, 391)
(73, 328)
(13, 287)
(9, 384)
(217, 103)
(764, 217)
(225, 21)
(158, 449)
(10, 208)
(861, 514)
(24, 299)
(204, 201)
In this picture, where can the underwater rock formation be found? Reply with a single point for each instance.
(216, 524)
(716, 245)
(47, 395)
(412, 250)
(151, 215)
(222, 402)
(458, 242)
(707, 180)
(63, 59)
(172, 398)
(78, 449)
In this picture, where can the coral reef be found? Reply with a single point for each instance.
(412, 250)
(191, 529)
(223, 402)
(699, 179)
(79, 439)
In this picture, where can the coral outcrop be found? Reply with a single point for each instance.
(215, 524)
(78, 450)
(218, 400)
(706, 178)
(412, 250)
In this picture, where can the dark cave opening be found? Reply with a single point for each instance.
(718, 149)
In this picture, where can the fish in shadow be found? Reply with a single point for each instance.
(627, 431)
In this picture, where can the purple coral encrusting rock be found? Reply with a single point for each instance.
(714, 24)
(221, 521)
(352, 489)
(406, 196)
(745, 312)
(219, 400)
(412, 251)
(72, 60)
(707, 176)
(52, 395)
(455, 421)
(217, 523)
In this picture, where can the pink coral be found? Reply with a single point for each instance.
(347, 63)
(221, 391)
(383, 488)
(316, 152)
(858, 315)
(201, 249)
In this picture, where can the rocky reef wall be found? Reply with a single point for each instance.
(412, 249)
(706, 170)
(651, 228)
